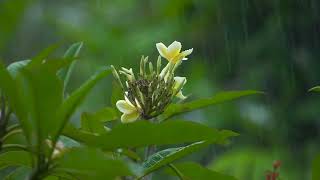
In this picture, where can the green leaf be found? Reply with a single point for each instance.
(176, 109)
(315, 89)
(316, 168)
(92, 125)
(18, 158)
(10, 88)
(41, 94)
(194, 171)
(43, 55)
(72, 52)
(116, 94)
(167, 156)
(143, 133)
(77, 134)
(15, 67)
(19, 173)
(75, 99)
(103, 115)
(87, 163)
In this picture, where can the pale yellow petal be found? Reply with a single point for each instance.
(179, 82)
(173, 50)
(178, 58)
(180, 95)
(128, 118)
(163, 50)
(186, 52)
(127, 100)
(124, 107)
(166, 69)
(137, 102)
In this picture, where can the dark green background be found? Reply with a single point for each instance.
(267, 45)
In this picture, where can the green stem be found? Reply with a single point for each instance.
(177, 171)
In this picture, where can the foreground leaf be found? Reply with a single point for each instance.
(176, 109)
(69, 106)
(10, 88)
(17, 158)
(167, 156)
(19, 173)
(86, 163)
(194, 171)
(92, 125)
(103, 115)
(41, 94)
(144, 133)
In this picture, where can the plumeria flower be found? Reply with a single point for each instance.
(179, 82)
(172, 52)
(130, 112)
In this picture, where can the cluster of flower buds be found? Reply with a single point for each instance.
(149, 92)
(274, 175)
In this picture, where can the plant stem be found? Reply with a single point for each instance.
(148, 152)
(176, 170)
(41, 169)
(151, 149)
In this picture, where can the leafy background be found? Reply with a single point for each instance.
(267, 45)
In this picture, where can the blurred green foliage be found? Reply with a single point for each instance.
(268, 45)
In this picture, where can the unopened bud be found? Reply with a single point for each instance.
(158, 64)
(150, 68)
(116, 75)
(142, 66)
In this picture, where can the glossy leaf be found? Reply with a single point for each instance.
(167, 156)
(176, 109)
(18, 158)
(103, 115)
(74, 100)
(92, 125)
(72, 52)
(41, 94)
(19, 173)
(86, 163)
(143, 133)
(78, 134)
(10, 88)
(194, 171)
(43, 55)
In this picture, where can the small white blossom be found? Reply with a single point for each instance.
(172, 52)
(130, 112)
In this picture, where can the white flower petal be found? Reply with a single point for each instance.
(186, 52)
(128, 118)
(137, 102)
(173, 49)
(162, 49)
(179, 81)
(127, 100)
(180, 95)
(165, 70)
(124, 107)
